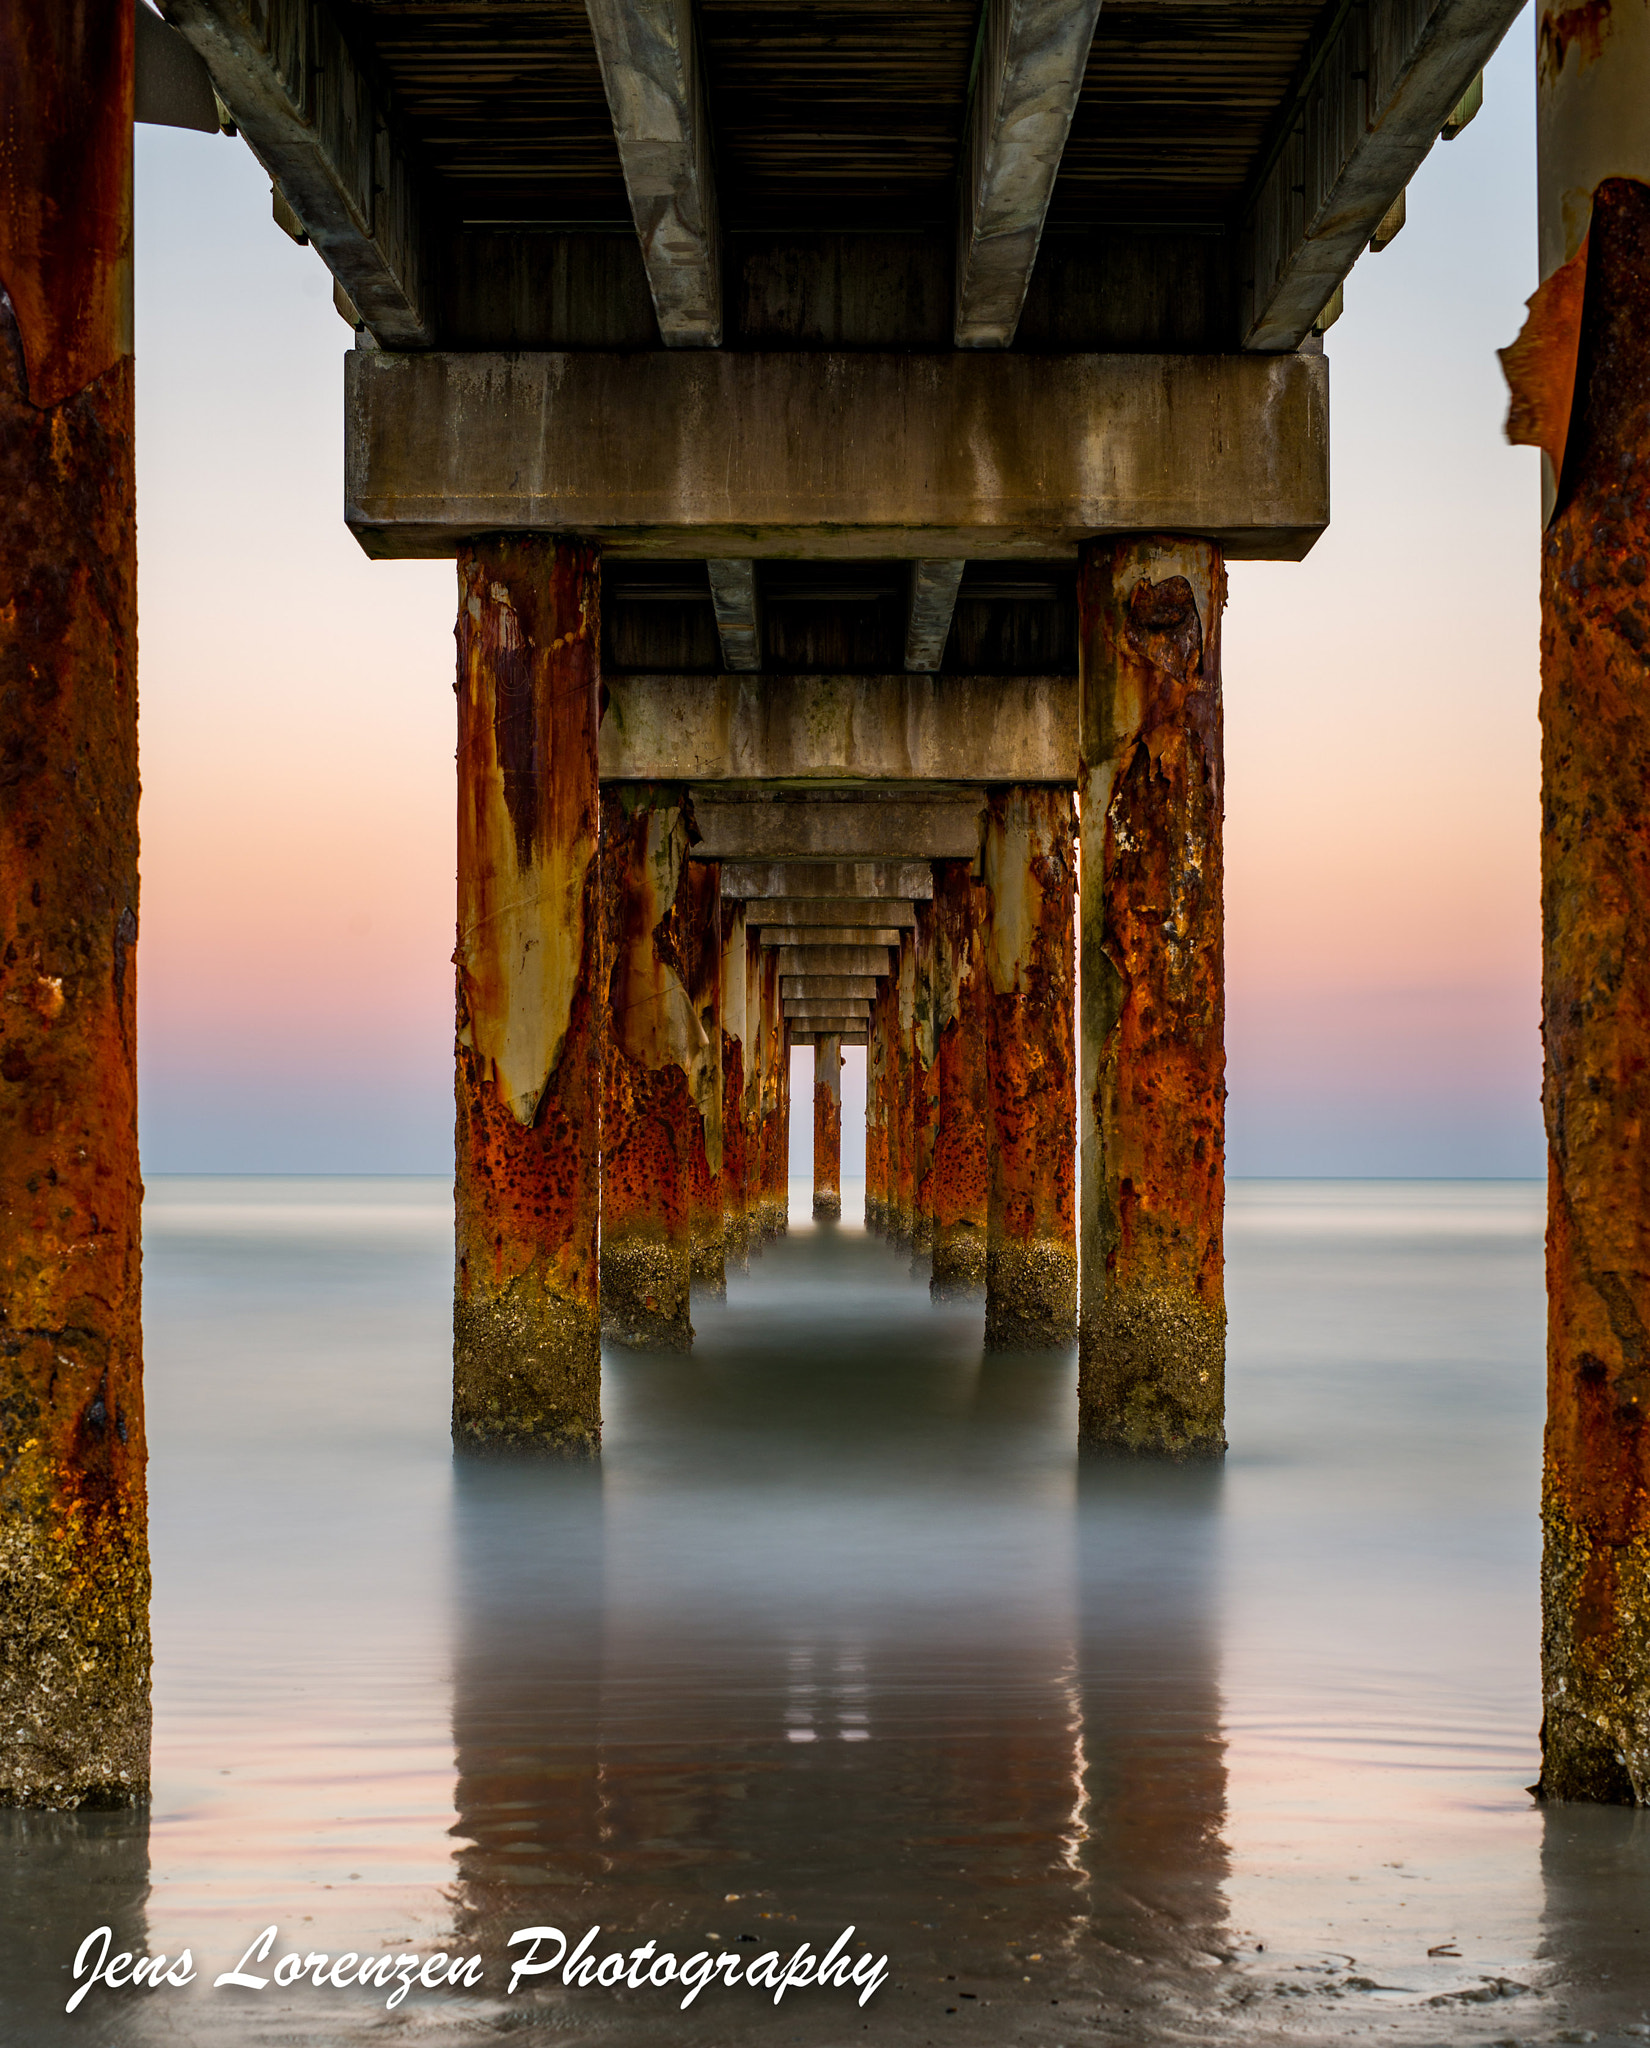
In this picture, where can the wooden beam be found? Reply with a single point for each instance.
(686, 454)
(656, 98)
(1378, 83)
(733, 593)
(325, 130)
(928, 616)
(1033, 54)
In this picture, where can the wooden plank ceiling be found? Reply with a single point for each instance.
(846, 116)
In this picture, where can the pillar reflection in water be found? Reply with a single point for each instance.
(839, 1635)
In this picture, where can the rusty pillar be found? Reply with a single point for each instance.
(771, 1049)
(651, 1120)
(828, 1126)
(782, 1146)
(1580, 375)
(1153, 1324)
(962, 1103)
(925, 1092)
(735, 1151)
(876, 1111)
(699, 922)
(74, 1555)
(1031, 1243)
(526, 1338)
(902, 1150)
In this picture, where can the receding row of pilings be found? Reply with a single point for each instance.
(623, 1051)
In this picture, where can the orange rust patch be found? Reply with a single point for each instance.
(962, 1103)
(1540, 366)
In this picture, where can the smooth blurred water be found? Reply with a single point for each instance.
(842, 1631)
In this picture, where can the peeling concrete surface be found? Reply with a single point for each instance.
(961, 1145)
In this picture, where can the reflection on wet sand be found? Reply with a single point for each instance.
(840, 1639)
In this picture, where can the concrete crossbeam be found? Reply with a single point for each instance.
(813, 910)
(872, 960)
(837, 728)
(830, 935)
(932, 600)
(748, 881)
(811, 1035)
(655, 88)
(693, 453)
(733, 597)
(828, 1007)
(904, 828)
(854, 986)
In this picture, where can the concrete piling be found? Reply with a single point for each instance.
(1031, 1243)
(771, 1196)
(526, 1339)
(1580, 376)
(876, 1110)
(902, 1149)
(650, 1111)
(961, 1147)
(699, 914)
(735, 1147)
(925, 1094)
(1152, 1134)
(74, 1560)
(828, 1126)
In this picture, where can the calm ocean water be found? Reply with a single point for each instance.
(843, 1633)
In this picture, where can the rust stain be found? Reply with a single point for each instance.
(1581, 27)
(74, 1561)
(1540, 366)
(699, 923)
(1031, 1216)
(530, 1021)
(961, 1104)
(1153, 1335)
(1595, 685)
(66, 190)
(902, 1144)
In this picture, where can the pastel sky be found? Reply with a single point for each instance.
(297, 721)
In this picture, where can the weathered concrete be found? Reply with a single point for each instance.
(1595, 717)
(1153, 1324)
(755, 961)
(878, 1044)
(656, 1046)
(655, 88)
(1369, 110)
(930, 606)
(728, 452)
(925, 1099)
(526, 1342)
(791, 937)
(699, 927)
(807, 1034)
(840, 728)
(962, 1110)
(819, 827)
(858, 987)
(1031, 1235)
(74, 1555)
(782, 911)
(1032, 57)
(735, 1147)
(806, 960)
(892, 881)
(828, 1126)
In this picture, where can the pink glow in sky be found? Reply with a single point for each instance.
(297, 721)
